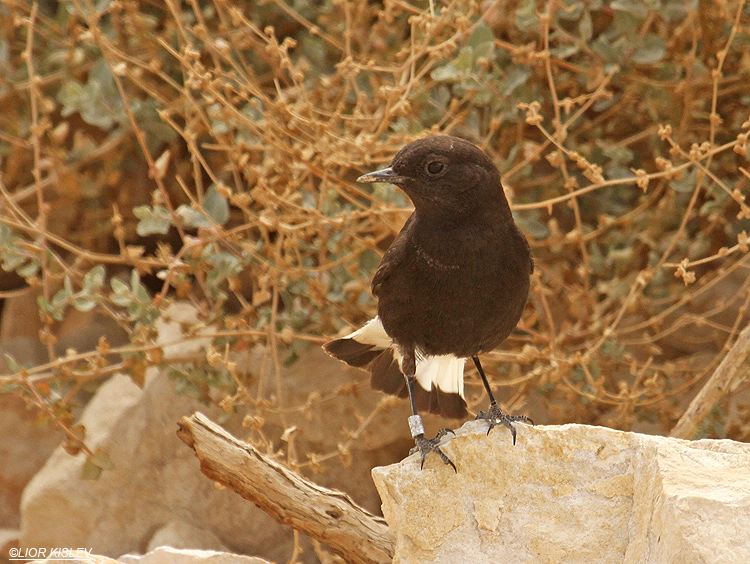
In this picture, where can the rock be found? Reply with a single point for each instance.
(169, 555)
(571, 494)
(180, 333)
(81, 332)
(183, 535)
(78, 557)
(8, 540)
(155, 480)
(25, 445)
(20, 316)
(23, 351)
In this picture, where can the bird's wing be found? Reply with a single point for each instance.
(393, 257)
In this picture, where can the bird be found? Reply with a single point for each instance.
(452, 285)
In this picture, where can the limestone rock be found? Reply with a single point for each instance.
(169, 555)
(176, 334)
(23, 351)
(20, 316)
(571, 494)
(155, 480)
(24, 447)
(182, 535)
(82, 331)
(88, 558)
(162, 555)
(8, 540)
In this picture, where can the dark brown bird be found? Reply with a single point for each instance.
(452, 285)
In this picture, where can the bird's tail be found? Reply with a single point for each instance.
(440, 379)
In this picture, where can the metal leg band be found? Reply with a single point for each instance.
(415, 425)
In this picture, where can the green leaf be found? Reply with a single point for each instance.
(12, 262)
(67, 286)
(564, 51)
(633, 7)
(118, 286)
(368, 262)
(620, 155)
(101, 6)
(62, 296)
(686, 184)
(101, 459)
(625, 25)
(90, 471)
(615, 172)
(138, 289)
(446, 73)
(70, 95)
(604, 48)
(532, 226)
(98, 101)
(482, 41)
(675, 10)
(465, 60)
(225, 265)
(9, 388)
(652, 50)
(216, 206)
(83, 302)
(526, 17)
(190, 217)
(585, 27)
(152, 220)
(11, 363)
(44, 305)
(122, 295)
(570, 10)
(28, 270)
(518, 76)
(94, 278)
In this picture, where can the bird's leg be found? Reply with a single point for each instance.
(423, 445)
(495, 415)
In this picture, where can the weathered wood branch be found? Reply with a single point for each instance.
(733, 367)
(326, 515)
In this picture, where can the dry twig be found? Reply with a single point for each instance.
(733, 367)
(328, 516)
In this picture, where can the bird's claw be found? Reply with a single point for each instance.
(425, 446)
(495, 416)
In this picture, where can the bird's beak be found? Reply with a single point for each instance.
(385, 175)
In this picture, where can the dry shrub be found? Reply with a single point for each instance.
(207, 150)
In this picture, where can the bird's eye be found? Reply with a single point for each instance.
(435, 167)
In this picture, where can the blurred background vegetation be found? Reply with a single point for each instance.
(207, 151)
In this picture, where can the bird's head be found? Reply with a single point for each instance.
(445, 175)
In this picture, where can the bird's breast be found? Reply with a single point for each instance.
(455, 297)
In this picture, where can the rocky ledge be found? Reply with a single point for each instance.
(570, 494)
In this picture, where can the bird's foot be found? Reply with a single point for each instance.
(495, 416)
(425, 446)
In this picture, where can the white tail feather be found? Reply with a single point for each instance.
(372, 333)
(446, 372)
